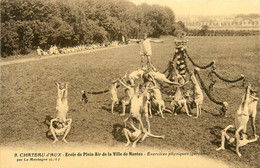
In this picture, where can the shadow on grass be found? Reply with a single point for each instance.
(47, 123)
(118, 132)
(47, 120)
(216, 131)
(211, 113)
(108, 109)
(117, 108)
(237, 86)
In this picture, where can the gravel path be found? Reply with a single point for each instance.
(2, 63)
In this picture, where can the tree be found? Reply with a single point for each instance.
(178, 27)
(204, 30)
(27, 24)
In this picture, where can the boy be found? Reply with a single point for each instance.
(137, 135)
(146, 49)
(39, 52)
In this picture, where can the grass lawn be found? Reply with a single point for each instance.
(28, 96)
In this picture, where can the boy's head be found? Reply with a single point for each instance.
(145, 36)
(142, 88)
(58, 124)
(128, 82)
(144, 68)
(253, 92)
(62, 85)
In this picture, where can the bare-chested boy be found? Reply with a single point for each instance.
(137, 135)
(162, 78)
(58, 128)
(61, 124)
(114, 98)
(129, 92)
(139, 106)
(39, 52)
(135, 75)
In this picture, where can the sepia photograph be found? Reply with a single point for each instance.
(130, 83)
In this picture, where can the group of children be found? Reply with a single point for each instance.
(54, 50)
(142, 93)
(142, 97)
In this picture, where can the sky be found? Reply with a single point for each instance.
(207, 7)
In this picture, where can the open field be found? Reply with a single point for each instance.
(28, 96)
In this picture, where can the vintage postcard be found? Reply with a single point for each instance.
(130, 83)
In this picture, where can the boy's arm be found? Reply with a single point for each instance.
(57, 84)
(133, 126)
(175, 55)
(66, 91)
(135, 40)
(69, 121)
(124, 84)
(157, 41)
(51, 123)
(253, 97)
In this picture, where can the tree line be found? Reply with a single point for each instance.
(26, 24)
(205, 31)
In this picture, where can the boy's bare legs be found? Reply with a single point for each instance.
(127, 134)
(112, 106)
(150, 63)
(124, 103)
(156, 136)
(66, 91)
(238, 140)
(126, 121)
(146, 134)
(137, 140)
(67, 130)
(186, 108)
(150, 110)
(142, 60)
(254, 127)
(52, 130)
(197, 108)
(160, 107)
(124, 107)
(148, 123)
(53, 134)
(225, 136)
(141, 123)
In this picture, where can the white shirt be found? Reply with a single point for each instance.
(51, 50)
(146, 47)
(39, 51)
